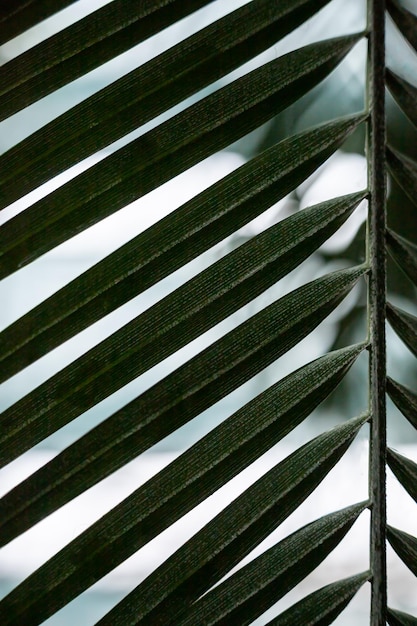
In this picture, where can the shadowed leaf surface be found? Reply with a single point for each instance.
(405, 399)
(83, 46)
(235, 531)
(405, 20)
(218, 291)
(405, 546)
(197, 473)
(149, 90)
(404, 170)
(321, 607)
(398, 618)
(404, 93)
(210, 554)
(405, 471)
(207, 378)
(404, 253)
(17, 17)
(254, 588)
(405, 325)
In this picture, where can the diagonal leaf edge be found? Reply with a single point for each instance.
(147, 91)
(405, 546)
(398, 618)
(404, 252)
(15, 19)
(404, 93)
(95, 194)
(216, 458)
(256, 587)
(257, 264)
(208, 377)
(83, 46)
(405, 325)
(405, 20)
(268, 177)
(95, 552)
(404, 170)
(404, 470)
(404, 399)
(321, 607)
(200, 563)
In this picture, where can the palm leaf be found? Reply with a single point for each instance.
(242, 439)
(190, 586)
(16, 17)
(82, 47)
(218, 547)
(398, 618)
(405, 470)
(405, 546)
(149, 90)
(323, 606)
(254, 588)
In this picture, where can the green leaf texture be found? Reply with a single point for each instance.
(322, 606)
(398, 618)
(225, 541)
(219, 546)
(215, 459)
(218, 370)
(405, 471)
(204, 81)
(261, 583)
(405, 546)
(405, 21)
(239, 276)
(152, 88)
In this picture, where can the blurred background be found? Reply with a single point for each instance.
(342, 93)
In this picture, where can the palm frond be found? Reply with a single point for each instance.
(204, 108)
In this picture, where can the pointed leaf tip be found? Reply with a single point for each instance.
(216, 458)
(405, 546)
(404, 253)
(398, 618)
(404, 93)
(405, 325)
(254, 588)
(405, 21)
(321, 607)
(405, 471)
(404, 398)
(235, 531)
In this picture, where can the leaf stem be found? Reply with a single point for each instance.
(377, 305)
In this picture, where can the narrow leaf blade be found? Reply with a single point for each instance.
(254, 588)
(83, 46)
(398, 618)
(222, 543)
(97, 551)
(405, 20)
(219, 456)
(148, 91)
(148, 162)
(404, 253)
(404, 470)
(404, 170)
(405, 546)
(208, 377)
(404, 399)
(17, 18)
(321, 607)
(237, 278)
(404, 93)
(405, 325)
